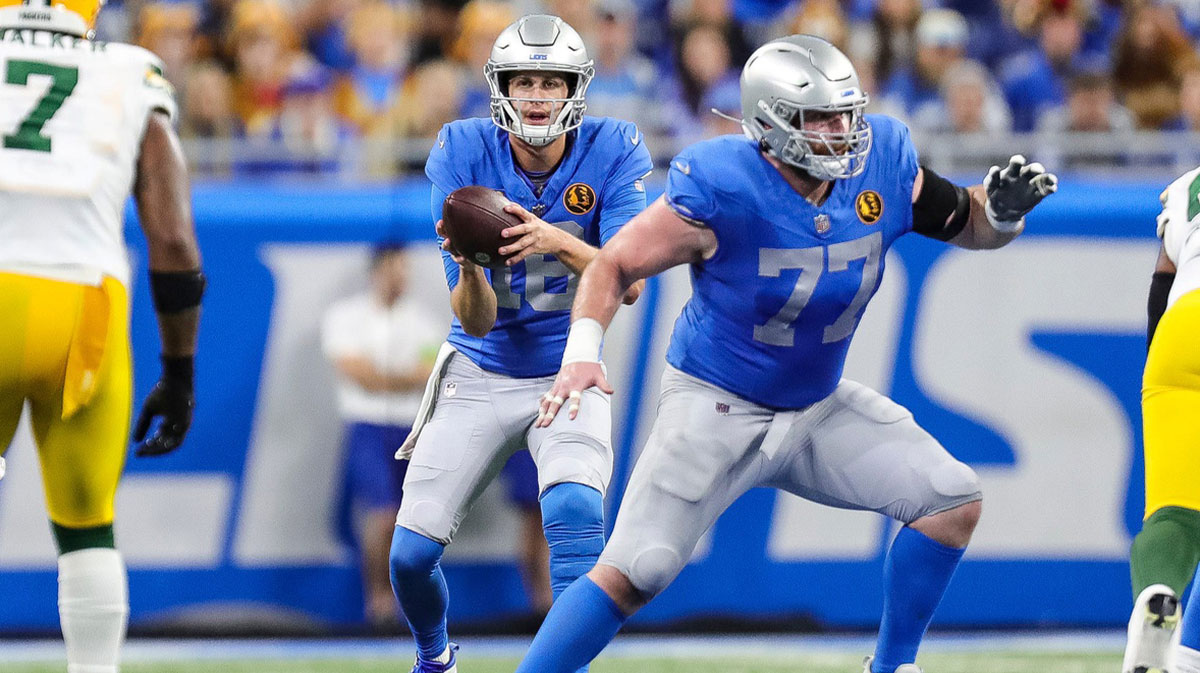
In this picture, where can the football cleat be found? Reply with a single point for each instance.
(902, 668)
(450, 666)
(1153, 631)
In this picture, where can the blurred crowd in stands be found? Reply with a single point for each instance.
(310, 76)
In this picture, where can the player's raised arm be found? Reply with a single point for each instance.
(653, 241)
(984, 216)
(176, 282)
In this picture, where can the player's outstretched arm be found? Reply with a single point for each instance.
(985, 216)
(176, 283)
(652, 242)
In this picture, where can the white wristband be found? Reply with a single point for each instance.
(1000, 225)
(583, 342)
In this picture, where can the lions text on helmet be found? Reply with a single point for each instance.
(538, 74)
(75, 17)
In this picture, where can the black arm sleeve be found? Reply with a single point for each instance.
(1156, 305)
(941, 209)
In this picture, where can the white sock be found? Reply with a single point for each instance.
(444, 657)
(1186, 660)
(93, 608)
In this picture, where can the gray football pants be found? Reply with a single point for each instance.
(855, 449)
(479, 420)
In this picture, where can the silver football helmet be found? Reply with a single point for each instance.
(538, 42)
(786, 78)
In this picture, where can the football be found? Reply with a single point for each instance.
(473, 218)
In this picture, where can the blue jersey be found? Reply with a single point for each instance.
(772, 312)
(595, 190)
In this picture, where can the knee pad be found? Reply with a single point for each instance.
(413, 554)
(954, 479)
(653, 569)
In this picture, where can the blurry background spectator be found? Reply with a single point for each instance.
(893, 24)
(1149, 58)
(382, 346)
(705, 62)
(368, 93)
(1189, 102)
(626, 83)
(169, 30)
(479, 23)
(1091, 108)
(1035, 79)
(969, 101)
(941, 37)
(261, 45)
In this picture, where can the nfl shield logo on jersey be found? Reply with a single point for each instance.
(451, 389)
(821, 223)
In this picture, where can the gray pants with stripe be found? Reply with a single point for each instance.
(480, 419)
(855, 449)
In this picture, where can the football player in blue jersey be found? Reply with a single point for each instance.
(574, 181)
(785, 231)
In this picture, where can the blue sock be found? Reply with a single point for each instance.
(1190, 629)
(421, 589)
(573, 519)
(583, 620)
(915, 575)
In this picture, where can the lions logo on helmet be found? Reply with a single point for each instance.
(786, 78)
(76, 17)
(545, 43)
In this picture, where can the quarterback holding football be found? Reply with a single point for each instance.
(573, 182)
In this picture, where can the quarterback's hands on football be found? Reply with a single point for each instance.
(1015, 190)
(572, 380)
(448, 246)
(535, 236)
(172, 400)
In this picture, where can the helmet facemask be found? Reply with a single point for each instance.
(822, 154)
(505, 108)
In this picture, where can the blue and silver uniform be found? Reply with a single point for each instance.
(595, 190)
(772, 312)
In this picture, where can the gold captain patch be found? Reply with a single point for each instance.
(869, 206)
(579, 199)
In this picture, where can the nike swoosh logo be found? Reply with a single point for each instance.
(636, 138)
(683, 168)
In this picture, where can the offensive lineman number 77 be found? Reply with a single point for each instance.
(28, 135)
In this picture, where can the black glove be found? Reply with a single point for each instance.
(173, 400)
(1013, 192)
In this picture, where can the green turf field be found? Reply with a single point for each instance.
(941, 662)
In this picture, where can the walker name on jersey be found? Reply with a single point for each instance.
(46, 38)
(972, 355)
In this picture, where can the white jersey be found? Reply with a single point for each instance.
(72, 116)
(1177, 227)
(394, 338)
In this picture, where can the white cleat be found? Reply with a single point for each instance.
(1153, 631)
(902, 668)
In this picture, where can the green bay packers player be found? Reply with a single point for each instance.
(1166, 551)
(84, 123)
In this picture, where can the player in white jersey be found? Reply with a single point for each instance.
(84, 123)
(1166, 551)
